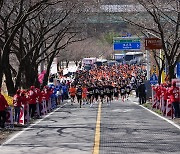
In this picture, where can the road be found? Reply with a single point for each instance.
(122, 127)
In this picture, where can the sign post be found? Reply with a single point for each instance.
(126, 43)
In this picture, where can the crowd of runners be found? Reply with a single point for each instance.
(106, 83)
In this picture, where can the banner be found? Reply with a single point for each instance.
(24, 115)
(49, 105)
(53, 103)
(41, 77)
(44, 108)
(9, 117)
(37, 112)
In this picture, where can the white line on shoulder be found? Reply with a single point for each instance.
(169, 121)
(25, 129)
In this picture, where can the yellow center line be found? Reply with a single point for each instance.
(97, 133)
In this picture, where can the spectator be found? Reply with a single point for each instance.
(17, 102)
(142, 93)
(32, 101)
(174, 97)
(3, 106)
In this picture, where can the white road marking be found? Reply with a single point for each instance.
(25, 129)
(169, 121)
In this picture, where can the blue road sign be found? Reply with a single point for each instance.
(127, 46)
(154, 79)
(126, 43)
(178, 70)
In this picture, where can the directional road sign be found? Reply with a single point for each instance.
(126, 43)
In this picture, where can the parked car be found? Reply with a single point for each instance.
(112, 62)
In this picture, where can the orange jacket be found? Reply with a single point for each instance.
(72, 91)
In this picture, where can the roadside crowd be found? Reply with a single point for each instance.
(33, 102)
(166, 97)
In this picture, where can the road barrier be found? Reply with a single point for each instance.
(162, 100)
(42, 109)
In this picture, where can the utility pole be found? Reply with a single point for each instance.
(148, 64)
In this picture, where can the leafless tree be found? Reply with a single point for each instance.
(1, 4)
(160, 19)
(13, 15)
(37, 31)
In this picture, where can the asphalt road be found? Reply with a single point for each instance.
(125, 128)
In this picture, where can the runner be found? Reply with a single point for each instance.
(79, 95)
(111, 92)
(72, 92)
(84, 93)
(96, 92)
(108, 93)
(116, 91)
(102, 92)
(91, 94)
(123, 92)
(128, 91)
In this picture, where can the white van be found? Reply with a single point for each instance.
(88, 61)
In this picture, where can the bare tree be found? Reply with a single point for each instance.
(42, 37)
(1, 4)
(161, 19)
(13, 16)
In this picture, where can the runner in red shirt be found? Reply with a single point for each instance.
(84, 94)
(72, 92)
